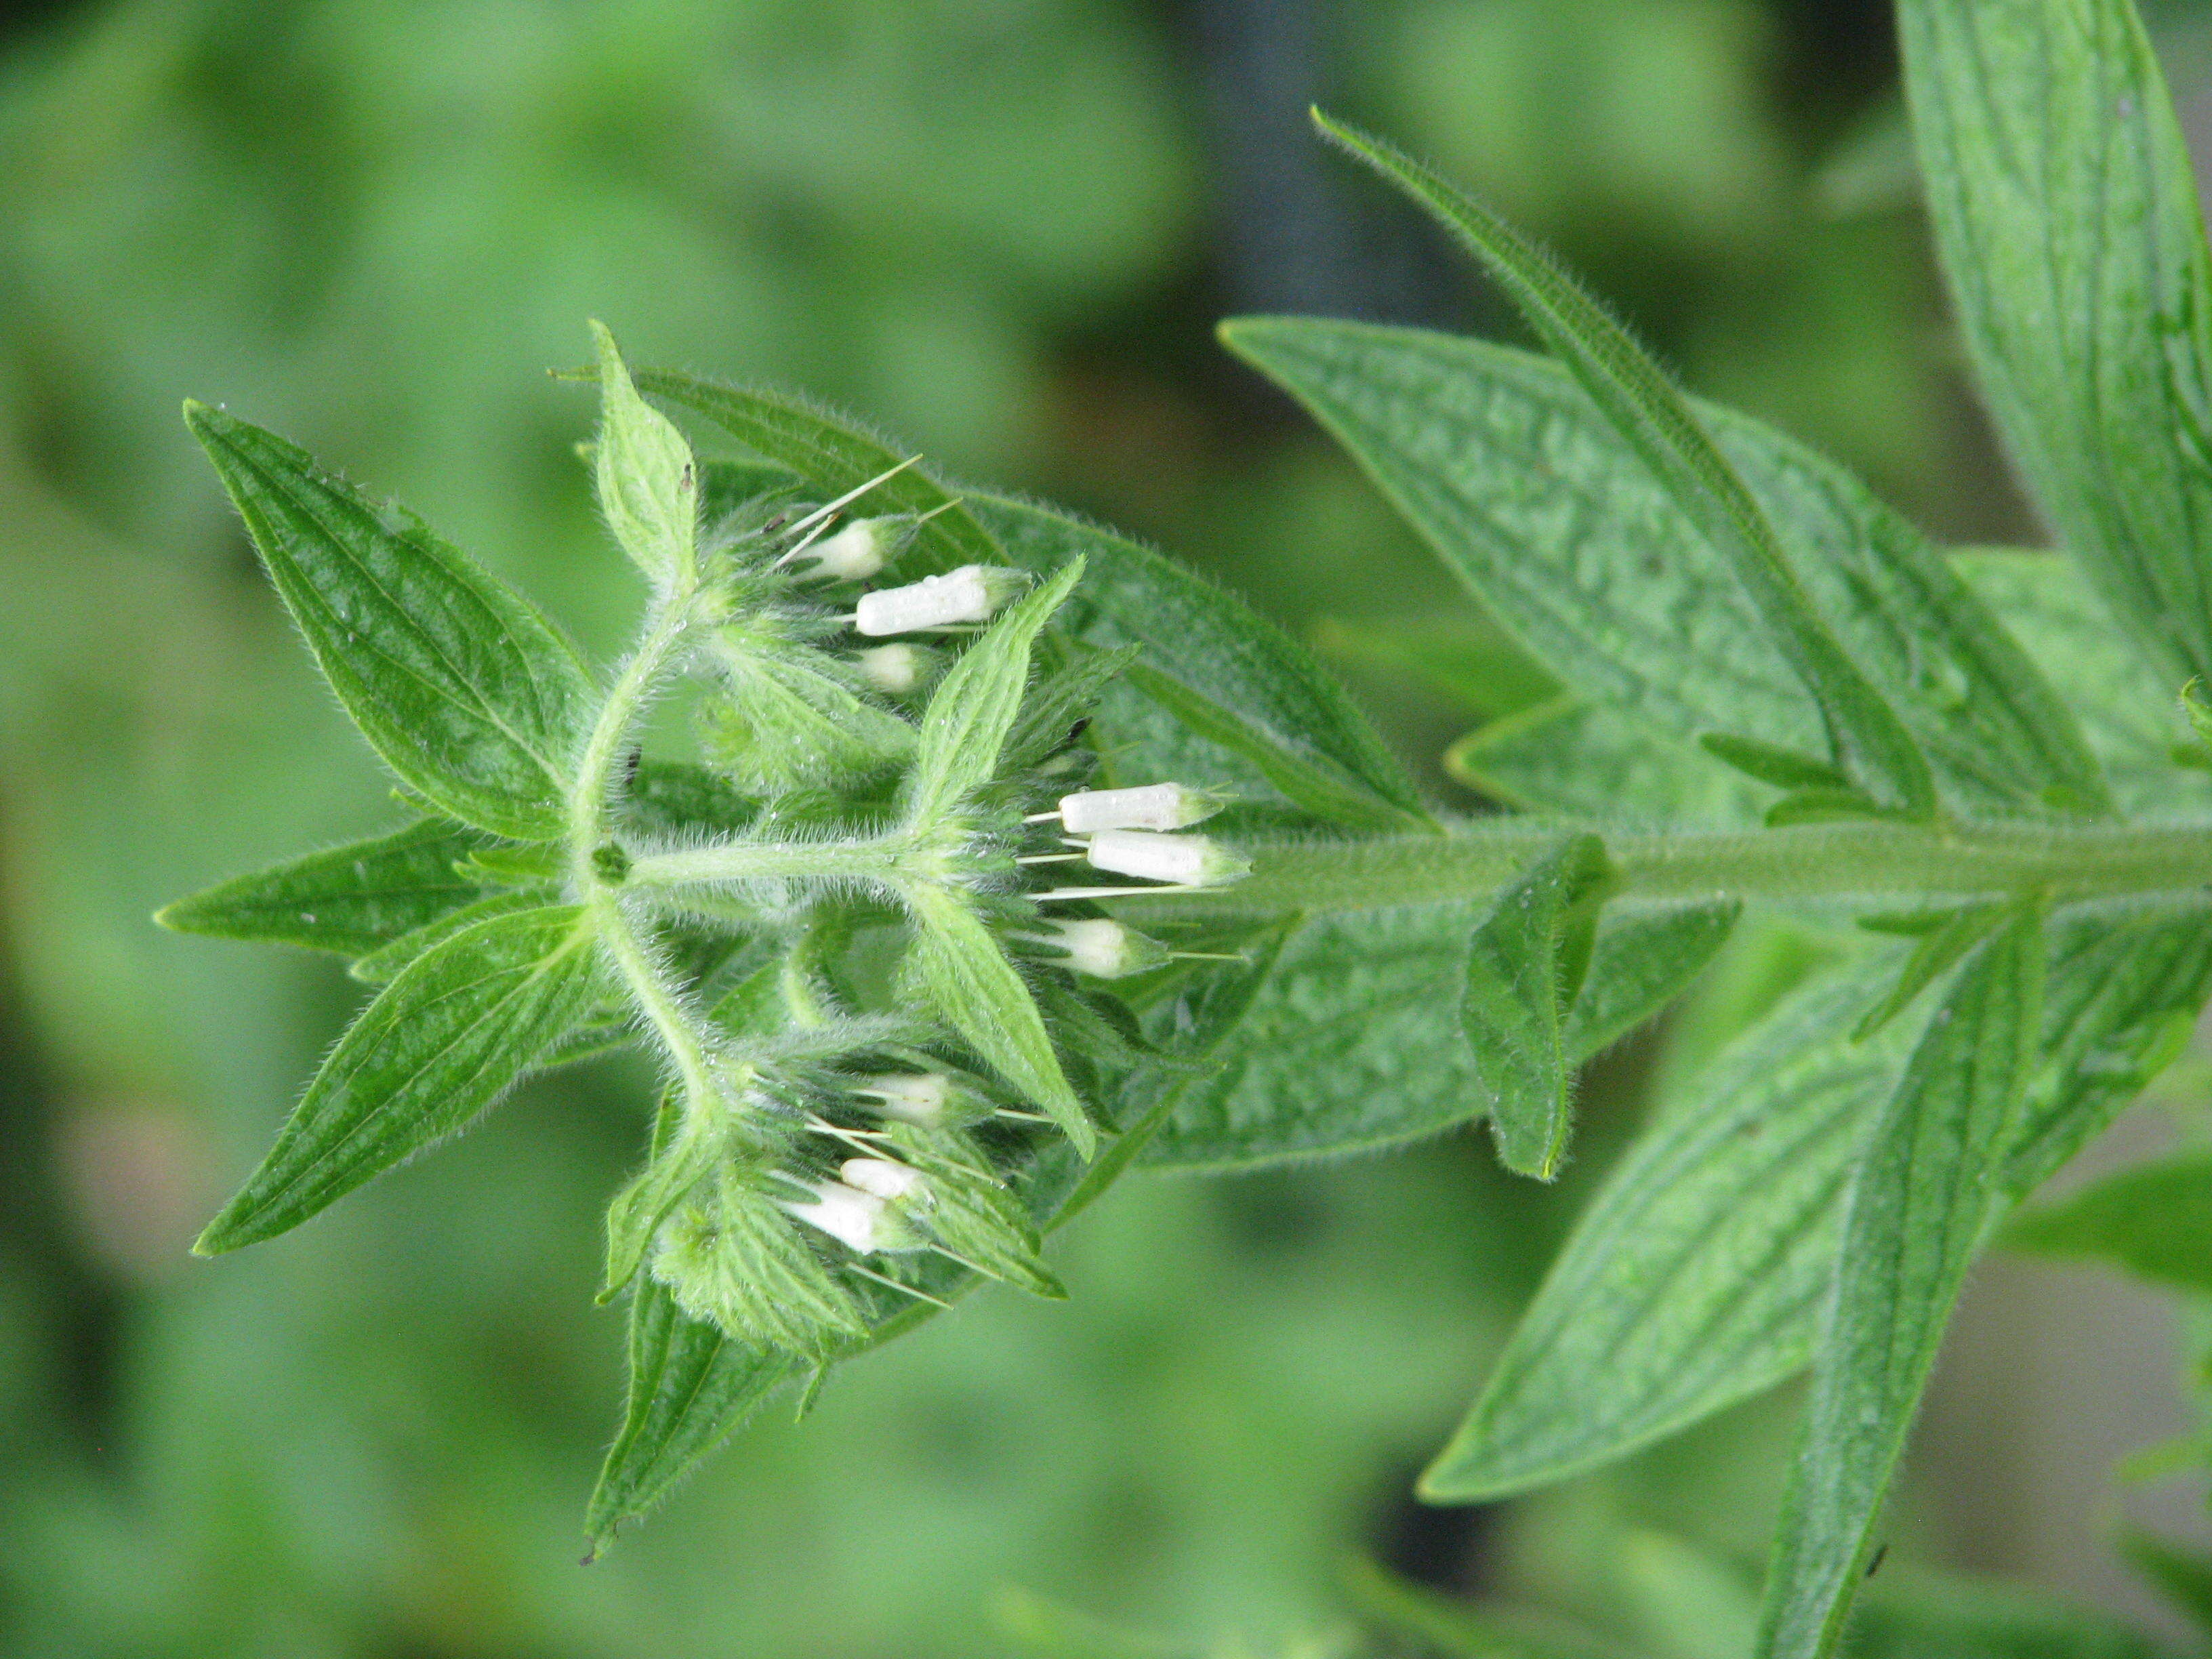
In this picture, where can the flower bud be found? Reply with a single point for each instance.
(1185, 860)
(856, 552)
(895, 669)
(881, 1178)
(920, 1097)
(1155, 806)
(1103, 950)
(970, 594)
(861, 1221)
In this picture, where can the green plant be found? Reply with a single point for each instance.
(1771, 692)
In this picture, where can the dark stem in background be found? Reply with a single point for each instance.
(1293, 237)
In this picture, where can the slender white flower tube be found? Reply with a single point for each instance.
(918, 1098)
(856, 552)
(881, 1177)
(852, 1217)
(1154, 806)
(970, 594)
(1102, 948)
(1186, 860)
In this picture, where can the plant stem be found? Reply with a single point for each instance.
(875, 859)
(1875, 860)
(589, 807)
(671, 1021)
(588, 802)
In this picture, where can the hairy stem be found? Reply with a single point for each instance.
(589, 806)
(876, 858)
(593, 794)
(1884, 861)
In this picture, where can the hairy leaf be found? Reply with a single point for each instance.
(1925, 1188)
(2125, 708)
(1242, 683)
(647, 483)
(1591, 762)
(690, 1386)
(790, 718)
(1512, 473)
(384, 964)
(1346, 1046)
(1525, 965)
(1644, 407)
(1468, 660)
(676, 797)
(466, 691)
(1691, 1278)
(976, 703)
(437, 1046)
(1642, 961)
(963, 973)
(836, 455)
(2123, 987)
(350, 899)
(1947, 936)
(2066, 212)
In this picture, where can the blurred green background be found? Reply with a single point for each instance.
(1003, 228)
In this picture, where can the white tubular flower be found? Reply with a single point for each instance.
(895, 669)
(1103, 950)
(919, 1098)
(1155, 806)
(881, 1178)
(859, 1221)
(855, 553)
(1185, 860)
(970, 594)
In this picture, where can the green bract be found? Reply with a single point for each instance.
(910, 1017)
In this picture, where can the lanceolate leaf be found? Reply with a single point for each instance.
(1947, 937)
(350, 899)
(834, 454)
(1238, 680)
(2124, 990)
(2124, 703)
(2154, 1219)
(1540, 506)
(1926, 1186)
(1346, 1046)
(648, 481)
(1644, 407)
(466, 692)
(963, 973)
(1692, 1277)
(385, 963)
(690, 1385)
(1642, 961)
(1653, 1317)
(441, 1044)
(976, 703)
(1595, 764)
(2066, 210)
(1308, 782)
(1525, 964)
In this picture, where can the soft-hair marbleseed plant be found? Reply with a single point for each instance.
(825, 1155)
(900, 1045)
